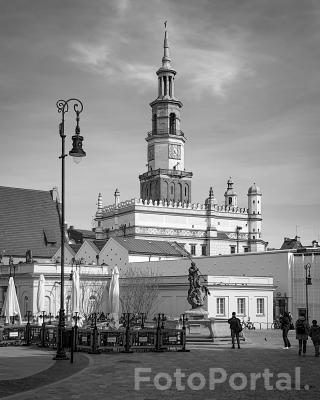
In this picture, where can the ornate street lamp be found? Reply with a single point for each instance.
(307, 268)
(77, 153)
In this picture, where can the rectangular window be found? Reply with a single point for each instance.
(241, 306)
(193, 249)
(246, 249)
(221, 306)
(232, 249)
(260, 306)
(203, 250)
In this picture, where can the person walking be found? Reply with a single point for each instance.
(285, 326)
(236, 328)
(314, 333)
(302, 331)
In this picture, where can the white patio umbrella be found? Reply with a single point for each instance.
(40, 296)
(114, 294)
(75, 296)
(11, 305)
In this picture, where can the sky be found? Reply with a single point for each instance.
(247, 75)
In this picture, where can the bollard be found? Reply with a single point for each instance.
(75, 334)
(28, 332)
(43, 328)
(159, 319)
(127, 317)
(184, 319)
(94, 336)
(72, 342)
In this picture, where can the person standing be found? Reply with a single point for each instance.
(314, 333)
(285, 326)
(236, 328)
(302, 331)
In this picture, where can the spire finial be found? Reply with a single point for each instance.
(166, 60)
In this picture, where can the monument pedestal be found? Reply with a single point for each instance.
(199, 326)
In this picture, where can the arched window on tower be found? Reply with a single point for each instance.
(230, 200)
(172, 124)
(154, 124)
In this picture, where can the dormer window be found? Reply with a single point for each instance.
(49, 236)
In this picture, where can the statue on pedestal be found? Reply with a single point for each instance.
(29, 258)
(197, 293)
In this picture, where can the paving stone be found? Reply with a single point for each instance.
(111, 376)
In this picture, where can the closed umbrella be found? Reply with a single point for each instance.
(75, 305)
(41, 296)
(11, 305)
(114, 294)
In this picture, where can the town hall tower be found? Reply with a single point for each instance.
(166, 178)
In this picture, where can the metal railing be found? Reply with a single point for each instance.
(171, 172)
(128, 338)
(159, 132)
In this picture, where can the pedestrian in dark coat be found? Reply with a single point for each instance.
(314, 333)
(302, 332)
(285, 326)
(236, 328)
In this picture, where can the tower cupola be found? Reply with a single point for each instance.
(231, 198)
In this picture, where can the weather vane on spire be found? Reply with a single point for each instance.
(165, 24)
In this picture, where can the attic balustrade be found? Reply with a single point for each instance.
(170, 204)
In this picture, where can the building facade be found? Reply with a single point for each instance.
(165, 210)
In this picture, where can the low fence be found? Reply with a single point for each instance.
(94, 340)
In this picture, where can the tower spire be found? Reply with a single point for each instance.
(166, 60)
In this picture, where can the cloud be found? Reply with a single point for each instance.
(122, 5)
(212, 72)
(102, 60)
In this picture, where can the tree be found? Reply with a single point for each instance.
(139, 291)
(92, 296)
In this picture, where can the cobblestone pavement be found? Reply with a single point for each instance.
(20, 362)
(112, 376)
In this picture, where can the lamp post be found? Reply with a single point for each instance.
(76, 152)
(307, 268)
(238, 229)
(12, 267)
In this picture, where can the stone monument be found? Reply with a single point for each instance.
(199, 326)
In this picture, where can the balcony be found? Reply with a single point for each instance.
(171, 172)
(167, 132)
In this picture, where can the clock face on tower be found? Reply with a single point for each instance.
(175, 151)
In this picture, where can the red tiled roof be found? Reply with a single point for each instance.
(153, 247)
(291, 244)
(29, 220)
(100, 243)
